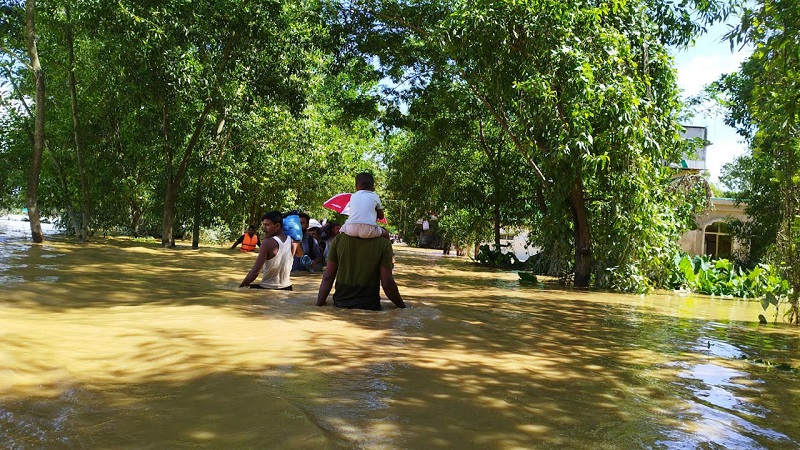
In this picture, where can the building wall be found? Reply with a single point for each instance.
(722, 209)
(518, 245)
(696, 162)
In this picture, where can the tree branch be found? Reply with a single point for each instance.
(484, 144)
(19, 93)
(501, 119)
(16, 57)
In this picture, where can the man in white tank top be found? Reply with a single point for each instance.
(274, 256)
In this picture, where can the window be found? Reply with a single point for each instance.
(507, 235)
(718, 243)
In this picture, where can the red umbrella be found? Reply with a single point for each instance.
(341, 204)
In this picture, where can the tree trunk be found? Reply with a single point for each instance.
(136, 218)
(540, 200)
(493, 157)
(496, 201)
(133, 203)
(198, 200)
(173, 184)
(62, 176)
(253, 216)
(792, 235)
(32, 198)
(167, 239)
(83, 233)
(220, 142)
(169, 195)
(583, 240)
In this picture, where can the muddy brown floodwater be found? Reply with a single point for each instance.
(121, 344)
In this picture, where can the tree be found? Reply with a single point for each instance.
(586, 94)
(456, 162)
(16, 115)
(183, 113)
(191, 64)
(38, 130)
(86, 208)
(762, 100)
(64, 150)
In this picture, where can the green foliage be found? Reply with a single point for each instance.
(584, 93)
(721, 277)
(762, 104)
(291, 115)
(460, 228)
(625, 279)
(453, 161)
(494, 256)
(527, 277)
(557, 116)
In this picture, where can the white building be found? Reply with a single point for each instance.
(694, 163)
(711, 236)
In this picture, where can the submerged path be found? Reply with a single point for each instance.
(120, 344)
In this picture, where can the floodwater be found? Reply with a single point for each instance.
(121, 344)
(12, 227)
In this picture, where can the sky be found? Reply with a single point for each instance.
(699, 66)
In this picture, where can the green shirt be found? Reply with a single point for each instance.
(358, 276)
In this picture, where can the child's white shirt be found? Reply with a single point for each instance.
(363, 207)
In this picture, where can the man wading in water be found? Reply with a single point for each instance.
(249, 240)
(275, 256)
(360, 267)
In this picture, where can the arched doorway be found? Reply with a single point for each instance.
(717, 240)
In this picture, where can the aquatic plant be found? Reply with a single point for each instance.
(528, 278)
(494, 257)
(705, 275)
(626, 278)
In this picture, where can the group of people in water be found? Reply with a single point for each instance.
(358, 256)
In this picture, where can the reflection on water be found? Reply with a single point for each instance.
(13, 228)
(716, 385)
(123, 344)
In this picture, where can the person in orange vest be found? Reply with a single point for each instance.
(249, 240)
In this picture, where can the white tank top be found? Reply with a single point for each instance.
(277, 270)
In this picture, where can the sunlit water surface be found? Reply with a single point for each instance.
(119, 344)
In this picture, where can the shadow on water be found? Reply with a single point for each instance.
(224, 410)
(114, 273)
(135, 346)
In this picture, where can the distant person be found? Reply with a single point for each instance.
(359, 267)
(249, 240)
(330, 231)
(308, 256)
(274, 257)
(315, 230)
(365, 210)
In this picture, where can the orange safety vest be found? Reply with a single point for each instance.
(249, 242)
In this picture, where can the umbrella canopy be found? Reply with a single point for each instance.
(341, 204)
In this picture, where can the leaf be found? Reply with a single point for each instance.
(772, 299)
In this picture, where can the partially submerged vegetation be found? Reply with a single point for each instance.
(699, 274)
(721, 277)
